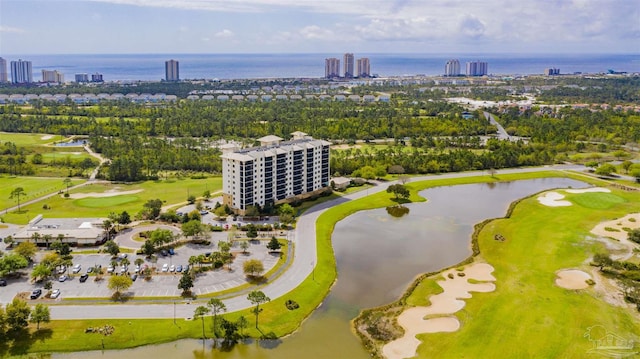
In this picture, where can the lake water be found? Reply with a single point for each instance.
(377, 257)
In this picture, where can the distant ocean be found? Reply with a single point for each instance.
(150, 67)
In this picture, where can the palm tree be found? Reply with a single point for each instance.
(200, 312)
(217, 306)
(17, 193)
(67, 182)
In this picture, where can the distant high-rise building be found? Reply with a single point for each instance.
(171, 70)
(97, 77)
(331, 67)
(363, 66)
(477, 68)
(452, 68)
(551, 71)
(82, 77)
(52, 76)
(348, 65)
(4, 76)
(21, 72)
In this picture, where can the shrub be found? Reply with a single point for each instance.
(450, 275)
(291, 305)
(611, 229)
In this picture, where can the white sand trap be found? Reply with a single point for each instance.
(553, 199)
(443, 305)
(46, 137)
(109, 193)
(572, 279)
(587, 190)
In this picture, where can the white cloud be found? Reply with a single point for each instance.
(9, 29)
(315, 32)
(224, 33)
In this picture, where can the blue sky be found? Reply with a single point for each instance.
(319, 26)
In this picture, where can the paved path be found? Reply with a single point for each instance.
(305, 257)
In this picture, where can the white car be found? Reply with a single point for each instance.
(63, 278)
(165, 267)
(55, 293)
(62, 269)
(172, 268)
(77, 268)
(110, 269)
(123, 269)
(137, 269)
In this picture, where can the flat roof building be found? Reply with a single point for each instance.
(171, 70)
(75, 231)
(331, 67)
(363, 67)
(452, 68)
(52, 76)
(348, 65)
(21, 72)
(4, 76)
(275, 172)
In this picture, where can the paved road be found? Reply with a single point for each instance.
(305, 258)
(502, 133)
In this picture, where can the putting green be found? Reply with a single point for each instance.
(103, 202)
(595, 200)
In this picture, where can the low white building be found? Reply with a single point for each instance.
(75, 231)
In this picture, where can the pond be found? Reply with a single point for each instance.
(377, 257)
(77, 143)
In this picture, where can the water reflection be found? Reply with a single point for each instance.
(377, 257)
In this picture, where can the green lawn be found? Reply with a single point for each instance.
(33, 186)
(528, 316)
(30, 139)
(170, 191)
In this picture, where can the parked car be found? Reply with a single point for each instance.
(36, 293)
(122, 255)
(83, 278)
(55, 294)
(124, 269)
(3, 282)
(179, 268)
(203, 212)
(90, 270)
(165, 267)
(62, 269)
(172, 251)
(172, 268)
(77, 268)
(110, 269)
(136, 269)
(62, 278)
(134, 277)
(164, 253)
(186, 268)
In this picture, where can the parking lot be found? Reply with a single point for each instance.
(162, 283)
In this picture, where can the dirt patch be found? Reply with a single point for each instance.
(553, 199)
(438, 316)
(572, 279)
(587, 190)
(109, 193)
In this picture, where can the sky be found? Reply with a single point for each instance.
(319, 26)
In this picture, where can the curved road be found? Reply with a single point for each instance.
(305, 257)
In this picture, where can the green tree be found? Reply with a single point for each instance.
(634, 235)
(252, 231)
(112, 248)
(191, 199)
(399, 190)
(3, 321)
(40, 314)
(602, 260)
(148, 248)
(244, 245)
(206, 194)
(201, 312)
(605, 169)
(192, 228)
(257, 297)
(216, 306)
(41, 271)
(27, 250)
(253, 267)
(17, 314)
(119, 283)
(17, 193)
(185, 283)
(61, 248)
(151, 209)
(252, 211)
(124, 218)
(274, 245)
(220, 212)
(10, 263)
(242, 324)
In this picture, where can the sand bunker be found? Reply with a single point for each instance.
(553, 199)
(631, 221)
(572, 279)
(587, 190)
(46, 137)
(110, 193)
(442, 306)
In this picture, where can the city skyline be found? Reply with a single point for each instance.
(285, 26)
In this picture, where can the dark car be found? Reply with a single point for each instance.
(134, 277)
(36, 293)
(171, 251)
(164, 252)
(83, 278)
(3, 282)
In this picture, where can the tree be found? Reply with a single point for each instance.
(3, 321)
(634, 235)
(252, 231)
(138, 261)
(17, 193)
(17, 314)
(112, 248)
(185, 283)
(192, 228)
(41, 271)
(605, 169)
(216, 306)
(206, 194)
(107, 225)
(27, 250)
(399, 190)
(274, 245)
(148, 248)
(242, 324)
(252, 211)
(200, 312)
(61, 248)
(124, 218)
(602, 260)
(253, 267)
(151, 209)
(161, 236)
(119, 283)
(230, 331)
(244, 245)
(257, 297)
(220, 212)
(191, 199)
(10, 263)
(40, 314)
(67, 183)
